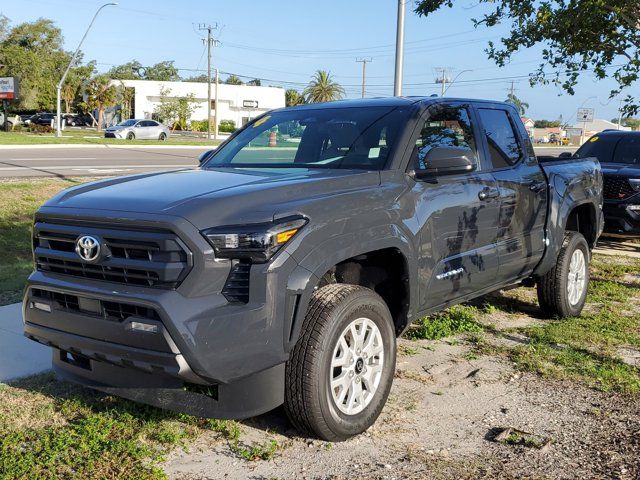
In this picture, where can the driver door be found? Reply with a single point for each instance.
(457, 213)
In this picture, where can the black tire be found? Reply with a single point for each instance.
(131, 136)
(308, 400)
(162, 137)
(553, 289)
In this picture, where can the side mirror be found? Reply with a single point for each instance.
(565, 155)
(446, 161)
(204, 156)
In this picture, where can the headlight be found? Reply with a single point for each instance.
(258, 242)
(635, 184)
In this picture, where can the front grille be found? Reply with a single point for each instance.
(616, 188)
(114, 311)
(109, 135)
(236, 288)
(150, 258)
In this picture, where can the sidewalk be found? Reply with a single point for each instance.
(19, 356)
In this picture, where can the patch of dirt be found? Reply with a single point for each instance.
(440, 422)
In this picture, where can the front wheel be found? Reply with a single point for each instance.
(340, 371)
(131, 136)
(162, 137)
(562, 292)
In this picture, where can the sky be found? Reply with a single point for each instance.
(285, 42)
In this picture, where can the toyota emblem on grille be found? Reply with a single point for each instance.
(88, 248)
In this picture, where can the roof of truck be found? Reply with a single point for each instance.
(385, 102)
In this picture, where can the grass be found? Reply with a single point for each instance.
(454, 320)
(19, 199)
(51, 430)
(91, 137)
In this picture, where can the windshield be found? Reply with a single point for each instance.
(128, 123)
(612, 149)
(348, 138)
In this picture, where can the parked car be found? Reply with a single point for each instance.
(272, 276)
(43, 119)
(619, 153)
(142, 129)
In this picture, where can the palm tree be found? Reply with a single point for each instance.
(233, 80)
(322, 88)
(519, 104)
(292, 97)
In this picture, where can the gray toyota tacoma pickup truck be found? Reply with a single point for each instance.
(282, 269)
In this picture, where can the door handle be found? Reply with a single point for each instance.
(487, 193)
(537, 186)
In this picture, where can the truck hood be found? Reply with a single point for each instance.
(228, 194)
(631, 171)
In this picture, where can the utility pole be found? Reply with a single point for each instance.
(442, 77)
(211, 42)
(215, 117)
(397, 82)
(512, 90)
(364, 62)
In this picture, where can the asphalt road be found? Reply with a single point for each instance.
(59, 161)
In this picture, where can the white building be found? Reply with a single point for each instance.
(597, 126)
(239, 103)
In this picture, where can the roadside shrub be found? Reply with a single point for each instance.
(227, 126)
(40, 128)
(198, 125)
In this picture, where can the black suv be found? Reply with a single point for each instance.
(619, 155)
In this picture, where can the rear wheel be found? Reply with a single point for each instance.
(340, 372)
(562, 292)
(131, 136)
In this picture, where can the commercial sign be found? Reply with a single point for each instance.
(585, 115)
(8, 88)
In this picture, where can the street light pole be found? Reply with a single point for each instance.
(73, 59)
(453, 81)
(397, 83)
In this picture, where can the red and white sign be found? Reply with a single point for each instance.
(8, 90)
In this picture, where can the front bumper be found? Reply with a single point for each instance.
(204, 355)
(621, 218)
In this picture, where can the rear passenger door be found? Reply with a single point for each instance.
(456, 213)
(523, 191)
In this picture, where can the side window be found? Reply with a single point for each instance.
(628, 151)
(504, 147)
(447, 127)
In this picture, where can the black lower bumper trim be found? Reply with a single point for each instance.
(245, 398)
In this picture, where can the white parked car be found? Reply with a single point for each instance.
(142, 129)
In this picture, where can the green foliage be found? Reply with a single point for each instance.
(233, 80)
(292, 97)
(175, 111)
(546, 123)
(519, 104)
(133, 70)
(227, 126)
(203, 78)
(199, 125)
(100, 94)
(33, 52)
(256, 82)
(632, 123)
(322, 88)
(457, 319)
(595, 37)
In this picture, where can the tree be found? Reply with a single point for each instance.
(546, 123)
(203, 78)
(33, 52)
(255, 82)
(519, 104)
(576, 37)
(175, 111)
(233, 80)
(72, 88)
(132, 70)
(293, 97)
(322, 88)
(100, 94)
(632, 123)
(162, 72)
